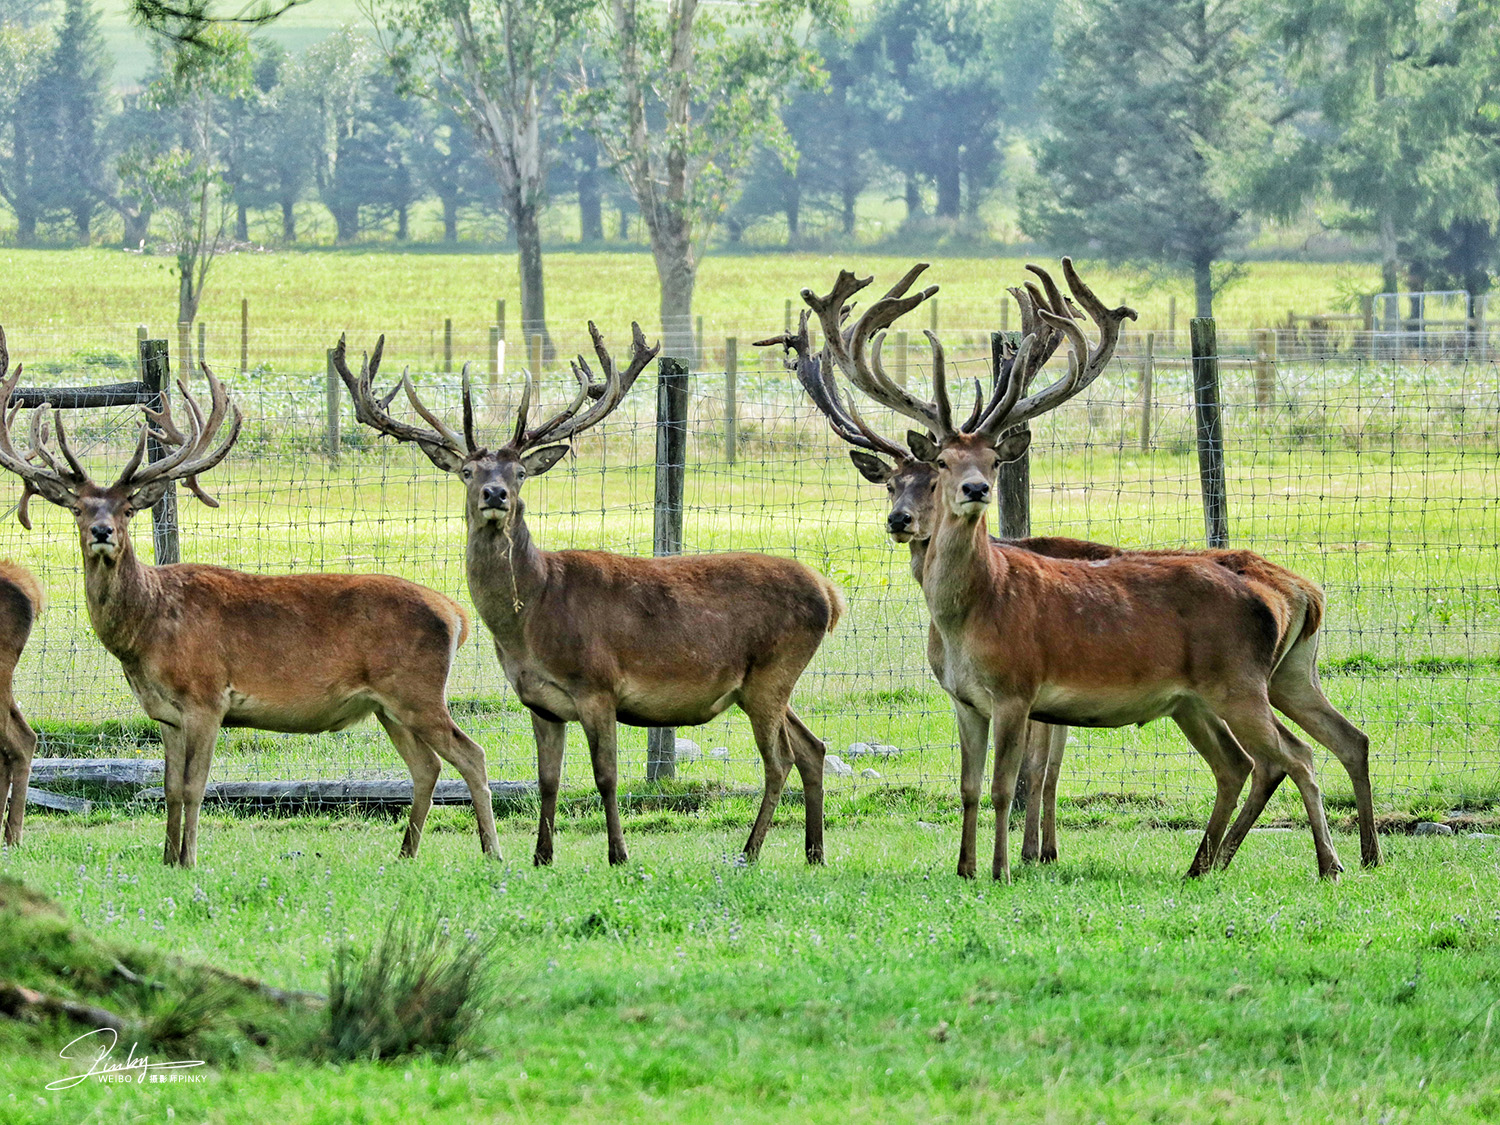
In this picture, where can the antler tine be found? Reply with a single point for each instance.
(873, 380)
(878, 443)
(37, 480)
(1085, 363)
(522, 410)
(67, 450)
(973, 417)
(38, 436)
(468, 411)
(940, 383)
(449, 437)
(609, 395)
(815, 373)
(372, 408)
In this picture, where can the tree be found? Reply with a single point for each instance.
(23, 58)
(184, 182)
(950, 76)
(1162, 114)
(495, 64)
(682, 96)
(1405, 135)
(331, 85)
(65, 110)
(448, 166)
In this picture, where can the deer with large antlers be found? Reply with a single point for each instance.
(598, 638)
(1210, 639)
(205, 647)
(21, 600)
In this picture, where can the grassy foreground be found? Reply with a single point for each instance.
(683, 987)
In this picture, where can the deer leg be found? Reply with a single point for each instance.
(467, 757)
(973, 748)
(174, 753)
(1265, 780)
(776, 754)
(1009, 718)
(15, 774)
(7, 803)
(809, 750)
(423, 765)
(1230, 765)
(1256, 727)
(551, 738)
(599, 724)
(1033, 780)
(1056, 747)
(199, 734)
(1297, 693)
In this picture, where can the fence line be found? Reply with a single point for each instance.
(1374, 477)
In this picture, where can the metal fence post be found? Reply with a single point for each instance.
(671, 475)
(332, 433)
(1210, 428)
(731, 391)
(156, 373)
(1013, 484)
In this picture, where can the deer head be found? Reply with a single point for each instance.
(493, 477)
(103, 512)
(963, 459)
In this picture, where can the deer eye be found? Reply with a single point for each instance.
(466, 473)
(520, 474)
(941, 463)
(997, 462)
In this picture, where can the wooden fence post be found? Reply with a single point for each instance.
(731, 391)
(244, 334)
(500, 317)
(494, 360)
(933, 305)
(1013, 483)
(448, 344)
(185, 349)
(536, 356)
(141, 332)
(671, 475)
(898, 360)
(202, 342)
(331, 435)
(1265, 371)
(700, 361)
(787, 317)
(1210, 427)
(1172, 321)
(156, 373)
(1148, 376)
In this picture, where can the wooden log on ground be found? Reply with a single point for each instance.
(108, 772)
(372, 794)
(57, 802)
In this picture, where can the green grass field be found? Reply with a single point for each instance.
(684, 988)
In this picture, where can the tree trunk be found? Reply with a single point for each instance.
(25, 226)
(913, 199)
(523, 220)
(288, 220)
(1203, 285)
(590, 202)
(403, 219)
(624, 225)
(241, 223)
(137, 227)
(949, 188)
(793, 212)
(346, 220)
(850, 195)
(678, 274)
(83, 221)
(450, 217)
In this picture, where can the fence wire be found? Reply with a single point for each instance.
(1374, 475)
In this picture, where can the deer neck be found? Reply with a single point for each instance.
(959, 572)
(918, 548)
(123, 595)
(507, 574)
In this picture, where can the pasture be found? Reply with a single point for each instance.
(684, 988)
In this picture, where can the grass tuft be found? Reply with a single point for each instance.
(416, 991)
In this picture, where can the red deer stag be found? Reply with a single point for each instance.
(597, 638)
(1107, 642)
(910, 483)
(204, 647)
(21, 600)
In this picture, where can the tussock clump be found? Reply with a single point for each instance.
(415, 991)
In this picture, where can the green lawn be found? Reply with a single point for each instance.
(684, 988)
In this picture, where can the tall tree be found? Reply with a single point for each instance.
(23, 59)
(331, 84)
(1405, 134)
(495, 64)
(185, 181)
(1162, 113)
(681, 98)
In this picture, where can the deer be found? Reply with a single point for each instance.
(22, 600)
(1209, 639)
(600, 639)
(205, 647)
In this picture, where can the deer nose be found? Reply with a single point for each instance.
(495, 494)
(898, 521)
(101, 532)
(977, 491)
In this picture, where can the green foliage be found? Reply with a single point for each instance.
(1160, 114)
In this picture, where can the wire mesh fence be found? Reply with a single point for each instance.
(1374, 475)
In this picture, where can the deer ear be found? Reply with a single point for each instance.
(539, 461)
(922, 447)
(149, 495)
(872, 468)
(443, 457)
(1012, 447)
